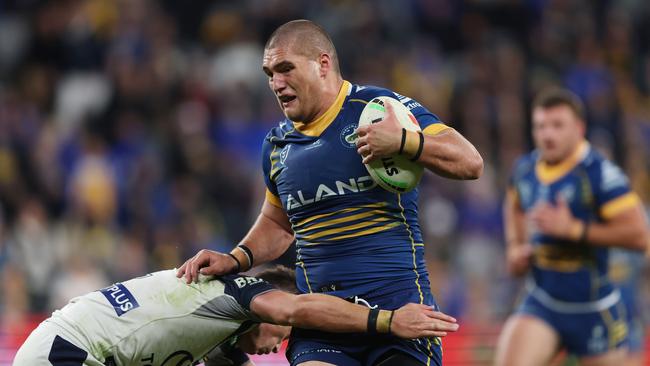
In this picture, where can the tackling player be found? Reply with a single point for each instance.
(157, 319)
(565, 208)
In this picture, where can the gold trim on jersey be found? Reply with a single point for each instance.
(340, 230)
(273, 199)
(358, 101)
(616, 329)
(304, 269)
(274, 157)
(415, 265)
(436, 128)
(317, 126)
(367, 231)
(513, 195)
(619, 204)
(562, 258)
(345, 210)
(548, 174)
(339, 220)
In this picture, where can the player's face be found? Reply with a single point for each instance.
(557, 131)
(263, 339)
(296, 82)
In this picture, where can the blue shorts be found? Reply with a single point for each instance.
(357, 349)
(637, 334)
(635, 321)
(364, 349)
(582, 333)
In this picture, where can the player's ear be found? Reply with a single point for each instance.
(325, 63)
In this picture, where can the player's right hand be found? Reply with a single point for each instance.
(421, 321)
(519, 258)
(206, 262)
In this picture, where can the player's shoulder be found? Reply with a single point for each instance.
(368, 92)
(603, 171)
(525, 164)
(280, 131)
(245, 288)
(593, 159)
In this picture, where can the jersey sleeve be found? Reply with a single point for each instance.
(268, 162)
(516, 173)
(245, 288)
(612, 190)
(429, 122)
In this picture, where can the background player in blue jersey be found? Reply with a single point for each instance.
(565, 208)
(353, 239)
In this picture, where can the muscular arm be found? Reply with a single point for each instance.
(268, 238)
(446, 153)
(518, 249)
(271, 234)
(329, 313)
(450, 155)
(626, 229)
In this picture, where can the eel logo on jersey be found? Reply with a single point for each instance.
(284, 154)
(121, 298)
(349, 136)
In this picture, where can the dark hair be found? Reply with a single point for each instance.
(305, 38)
(281, 277)
(554, 97)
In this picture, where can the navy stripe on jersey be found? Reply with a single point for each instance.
(245, 288)
(64, 353)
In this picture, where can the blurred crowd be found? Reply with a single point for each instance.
(130, 130)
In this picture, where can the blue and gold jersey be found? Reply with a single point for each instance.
(626, 271)
(353, 238)
(595, 189)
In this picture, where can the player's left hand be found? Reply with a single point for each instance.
(206, 262)
(421, 321)
(380, 139)
(553, 220)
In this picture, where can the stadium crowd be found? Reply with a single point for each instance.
(130, 131)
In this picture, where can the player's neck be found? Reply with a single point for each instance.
(331, 90)
(573, 155)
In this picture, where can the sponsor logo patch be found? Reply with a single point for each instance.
(121, 298)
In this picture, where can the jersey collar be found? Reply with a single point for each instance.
(319, 125)
(548, 174)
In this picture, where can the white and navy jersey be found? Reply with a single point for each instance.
(158, 319)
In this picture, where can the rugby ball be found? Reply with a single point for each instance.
(397, 173)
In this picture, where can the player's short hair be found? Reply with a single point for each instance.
(281, 277)
(553, 97)
(306, 38)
